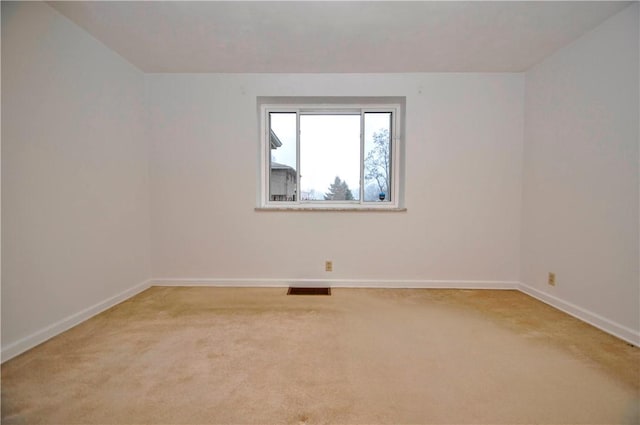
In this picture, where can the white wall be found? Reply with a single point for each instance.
(580, 178)
(74, 175)
(463, 183)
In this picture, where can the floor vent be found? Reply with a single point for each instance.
(309, 291)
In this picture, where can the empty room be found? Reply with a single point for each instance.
(305, 212)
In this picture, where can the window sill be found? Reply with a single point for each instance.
(329, 209)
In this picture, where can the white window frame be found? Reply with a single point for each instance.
(331, 109)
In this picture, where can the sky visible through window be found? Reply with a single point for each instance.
(329, 147)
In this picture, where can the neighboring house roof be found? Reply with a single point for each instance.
(278, 166)
(275, 142)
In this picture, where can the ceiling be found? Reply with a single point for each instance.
(336, 36)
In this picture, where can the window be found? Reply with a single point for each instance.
(332, 156)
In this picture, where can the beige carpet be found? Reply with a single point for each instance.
(247, 356)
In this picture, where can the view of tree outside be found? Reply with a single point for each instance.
(338, 191)
(377, 160)
(330, 154)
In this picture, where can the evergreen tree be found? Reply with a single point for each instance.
(338, 191)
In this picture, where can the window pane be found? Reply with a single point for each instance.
(330, 157)
(282, 177)
(377, 156)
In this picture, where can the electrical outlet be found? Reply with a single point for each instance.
(552, 279)
(328, 266)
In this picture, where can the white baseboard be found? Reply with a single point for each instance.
(54, 329)
(604, 324)
(339, 283)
